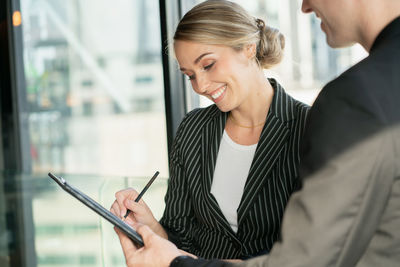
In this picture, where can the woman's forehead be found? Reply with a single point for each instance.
(190, 47)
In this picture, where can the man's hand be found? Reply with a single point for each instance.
(156, 252)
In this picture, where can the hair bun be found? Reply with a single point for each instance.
(271, 45)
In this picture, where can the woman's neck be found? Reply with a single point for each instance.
(253, 111)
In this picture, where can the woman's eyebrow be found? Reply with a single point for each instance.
(198, 59)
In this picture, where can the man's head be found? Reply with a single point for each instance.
(338, 19)
(346, 22)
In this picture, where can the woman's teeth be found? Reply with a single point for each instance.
(219, 92)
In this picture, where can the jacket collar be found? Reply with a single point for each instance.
(273, 136)
(390, 31)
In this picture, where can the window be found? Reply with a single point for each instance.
(94, 88)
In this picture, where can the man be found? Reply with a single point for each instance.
(348, 211)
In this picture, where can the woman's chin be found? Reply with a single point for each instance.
(222, 107)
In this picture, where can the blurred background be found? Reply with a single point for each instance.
(90, 91)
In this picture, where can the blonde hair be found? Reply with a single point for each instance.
(219, 22)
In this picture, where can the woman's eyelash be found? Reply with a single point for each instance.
(192, 77)
(209, 66)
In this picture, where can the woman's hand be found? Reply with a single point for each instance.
(140, 212)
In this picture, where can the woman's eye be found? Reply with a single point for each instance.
(205, 68)
(208, 66)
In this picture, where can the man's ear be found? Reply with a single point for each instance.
(250, 50)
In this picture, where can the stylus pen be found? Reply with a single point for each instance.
(143, 191)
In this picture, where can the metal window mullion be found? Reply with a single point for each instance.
(17, 160)
(174, 88)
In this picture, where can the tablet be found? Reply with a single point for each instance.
(96, 207)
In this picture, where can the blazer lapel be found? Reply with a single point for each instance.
(210, 142)
(272, 140)
(267, 153)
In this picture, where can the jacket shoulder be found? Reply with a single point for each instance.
(195, 120)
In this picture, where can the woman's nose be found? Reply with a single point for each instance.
(202, 84)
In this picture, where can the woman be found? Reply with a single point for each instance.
(233, 165)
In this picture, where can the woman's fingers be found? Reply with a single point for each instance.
(133, 206)
(125, 200)
(140, 210)
(115, 209)
(122, 195)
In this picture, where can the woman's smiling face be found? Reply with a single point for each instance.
(217, 72)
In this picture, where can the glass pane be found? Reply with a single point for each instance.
(67, 233)
(308, 62)
(95, 86)
(96, 114)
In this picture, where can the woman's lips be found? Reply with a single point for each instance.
(218, 94)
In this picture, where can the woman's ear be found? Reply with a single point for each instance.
(250, 50)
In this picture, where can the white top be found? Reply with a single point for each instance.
(231, 171)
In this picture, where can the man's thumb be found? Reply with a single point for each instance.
(145, 232)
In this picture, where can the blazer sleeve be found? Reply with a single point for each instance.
(178, 217)
(186, 261)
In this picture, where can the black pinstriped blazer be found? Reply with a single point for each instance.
(192, 217)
